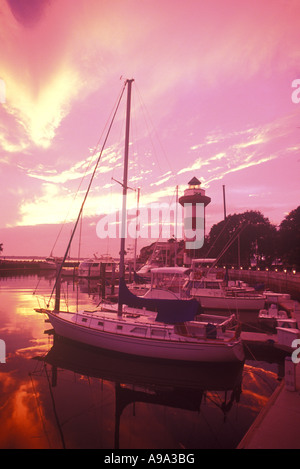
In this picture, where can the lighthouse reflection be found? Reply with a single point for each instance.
(133, 381)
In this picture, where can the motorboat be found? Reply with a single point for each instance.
(213, 294)
(167, 283)
(209, 290)
(272, 313)
(50, 263)
(273, 317)
(91, 268)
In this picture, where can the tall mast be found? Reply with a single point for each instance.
(125, 179)
(224, 203)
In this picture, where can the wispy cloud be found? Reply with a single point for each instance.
(164, 178)
(110, 160)
(57, 205)
(239, 150)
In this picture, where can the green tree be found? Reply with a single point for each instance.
(241, 238)
(289, 239)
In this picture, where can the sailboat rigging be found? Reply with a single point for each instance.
(85, 198)
(164, 329)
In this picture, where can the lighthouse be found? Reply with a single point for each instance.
(193, 202)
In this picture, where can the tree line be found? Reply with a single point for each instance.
(247, 239)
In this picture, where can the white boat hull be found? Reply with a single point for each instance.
(215, 302)
(231, 303)
(186, 350)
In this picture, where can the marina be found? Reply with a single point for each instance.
(191, 335)
(150, 227)
(166, 347)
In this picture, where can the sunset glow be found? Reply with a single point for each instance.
(212, 99)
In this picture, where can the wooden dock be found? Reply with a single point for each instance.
(278, 424)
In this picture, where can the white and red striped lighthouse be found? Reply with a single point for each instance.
(194, 202)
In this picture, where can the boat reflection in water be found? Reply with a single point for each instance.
(141, 380)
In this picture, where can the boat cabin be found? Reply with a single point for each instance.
(192, 286)
(92, 267)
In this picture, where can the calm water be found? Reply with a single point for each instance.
(58, 395)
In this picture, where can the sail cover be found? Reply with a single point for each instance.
(168, 311)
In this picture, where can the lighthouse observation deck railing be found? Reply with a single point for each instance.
(194, 191)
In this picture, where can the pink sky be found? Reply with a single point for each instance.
(212, 98)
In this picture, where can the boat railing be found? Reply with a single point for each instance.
(241, 294)
(186, 330)
(88, 319)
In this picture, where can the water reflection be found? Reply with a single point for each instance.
(54, 394)
(19, 421)
(139, 381)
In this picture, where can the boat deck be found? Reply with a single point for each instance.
(136, 323)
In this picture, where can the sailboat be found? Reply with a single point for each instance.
(150, 329)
